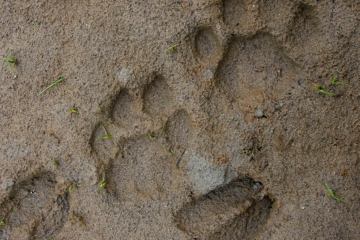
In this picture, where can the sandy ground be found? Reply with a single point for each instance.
(187, 119)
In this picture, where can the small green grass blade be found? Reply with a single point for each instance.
(324, 91)
(73, 110)
(172, 48)
(52, 85)
(334, 81)
(332, 194)
(103, 184)
(11, 60)
(107, 135)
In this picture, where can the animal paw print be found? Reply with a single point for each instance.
(152, 148)
(240, 73)
(250, 59)
(255, 70)
(34, 209)
(143, 137)
(232, 211)
(249, 69)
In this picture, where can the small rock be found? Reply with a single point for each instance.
(278, 106)
(301, 82)
(259, 113)
(124, 75)
(257, 186)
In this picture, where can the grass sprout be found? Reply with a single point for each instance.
(52, 85)
(321, 89)
(172, 48)
(10, 60)
(73, 110)
(334, 81)
(107, 135)
(332, 194)
(103, 183)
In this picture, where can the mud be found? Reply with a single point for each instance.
(195, 119)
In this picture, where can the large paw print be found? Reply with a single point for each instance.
(152, 148)
(34, 209)
(252, 71)
(144, 136)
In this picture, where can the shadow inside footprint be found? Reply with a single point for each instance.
(241, 16)
(246, 226)
(234, 12)
(255, 69)
(178, 130)
(305, 24)
(35, 209)
(142, 171)
(102, 143)
(158, 99)
(206, 43)
(123, 109)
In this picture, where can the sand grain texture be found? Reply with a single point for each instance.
(202, 118)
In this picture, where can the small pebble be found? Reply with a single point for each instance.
(301, 82)
(278, 106)
(124, 75)
(259, 113)
(257, 186)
